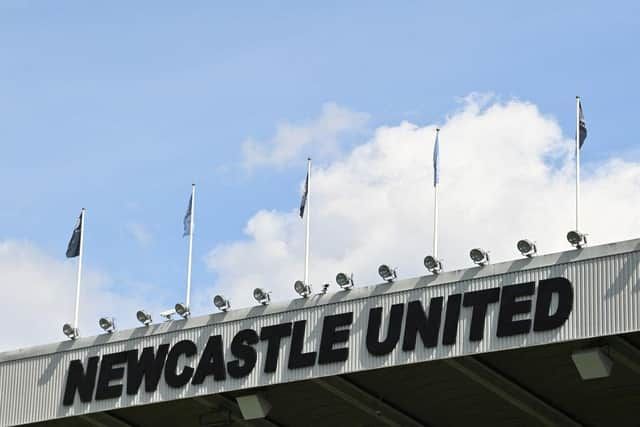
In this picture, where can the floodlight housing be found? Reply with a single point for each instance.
(262, 296)
(108, 324)
(302, 289)
(221, 303)
(592, 363)
(527, 247)
(432, 264)
(182, 310)
(144, 317)
(344, 280)
(577, 239)
(387, 273)
(70, 331)
(479, 256)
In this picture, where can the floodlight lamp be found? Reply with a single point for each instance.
(527, 247)
(182, 310)
(325, 288)
(432, 264)
(221, 303)
(302, 289)
(143, 317)
(344, 280)
(108, 324)
(70, 331)
(387, 273)
(577, 238)
(262, 296)
(479, 256)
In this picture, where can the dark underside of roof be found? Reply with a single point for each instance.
(532, 386)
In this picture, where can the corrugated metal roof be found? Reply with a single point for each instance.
(606, 302)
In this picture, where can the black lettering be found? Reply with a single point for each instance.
(211, 362)
(298, 359)
(418, 322)
(110, 373)
(509, 307)
(274, 335)
(544, 321)
(83, 382)
(174, 379)
(148, 366)
(376, 347)
(242, 348)
(331, 336)
(452, 316)
(479, 301)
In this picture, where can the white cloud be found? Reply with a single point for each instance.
(38, 292)
(507, 173)
(316, 138)
(139, 233)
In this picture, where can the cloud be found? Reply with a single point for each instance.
(38, 293)
(317, 138)
(506, 173)
(139, 233)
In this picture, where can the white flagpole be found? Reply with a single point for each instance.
(308, 212)
(435, 207)
(577, 163)
(75, 319)
(193, 212)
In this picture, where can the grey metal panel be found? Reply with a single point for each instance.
(606, 302)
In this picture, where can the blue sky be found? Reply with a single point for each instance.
(118, 107)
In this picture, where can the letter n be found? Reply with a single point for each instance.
(83, 382)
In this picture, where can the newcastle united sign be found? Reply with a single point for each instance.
(405, 327)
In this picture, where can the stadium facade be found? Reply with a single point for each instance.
(548, 340)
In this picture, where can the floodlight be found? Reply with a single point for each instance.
(344, 280)
(144, 317)
(527, 247)
(70, 331)
(167, 314)
(479, 256)
(325, 288)
(302, 289)
(182, 310)
(577, 238)
(253, 406)
(108, 324)
(221, 303)
(432, 264)
(387, 273)
(592, 363)
(262, 296)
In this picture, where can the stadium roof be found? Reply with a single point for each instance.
(515, 373)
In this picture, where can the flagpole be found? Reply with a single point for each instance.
(308, 211)
(193, 208)
(77, 308)
(577, 163)
(435, 208)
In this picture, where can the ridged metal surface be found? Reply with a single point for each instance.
(606, 302)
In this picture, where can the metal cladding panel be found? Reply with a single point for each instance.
(606, 301)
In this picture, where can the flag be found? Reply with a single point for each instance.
(73, 248)
(187, 218)
(582, 126)
(436, 160)
(303, 202)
